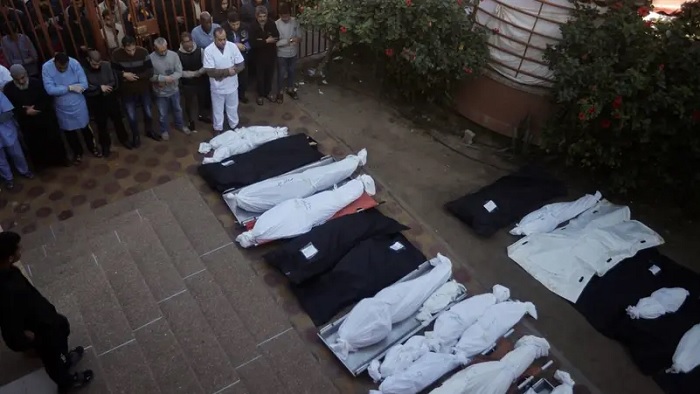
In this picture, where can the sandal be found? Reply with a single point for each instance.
(96, 153)
(259, 101)
(293, 94)
(272, 98)
(280, 98)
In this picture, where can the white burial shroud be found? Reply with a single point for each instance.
(662, 301)
(366, 322)
(493, 324)
(298, 216)
(495, 377)
(567, 384)
(687, 355)
(548, 217)
(450, 325)
(264, 195)
(398, 358)
(566, 259)
(242, 140)
(439, 300)
(422, 373)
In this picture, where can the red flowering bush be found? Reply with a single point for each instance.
(424, 46)
(628, 95)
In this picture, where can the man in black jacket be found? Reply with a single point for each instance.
(29, 321)
(103, 103)
(194, 81)
(263, 39)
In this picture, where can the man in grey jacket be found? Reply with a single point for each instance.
(167, 71)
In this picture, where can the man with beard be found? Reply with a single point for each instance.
(238, 35)
(65, 80)
(222, 62)
(36, 118)
(103, 102)
(263, 38)
(167, 71)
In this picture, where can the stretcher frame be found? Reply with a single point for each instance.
(357, 362)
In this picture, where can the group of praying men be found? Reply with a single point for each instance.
(209, 69)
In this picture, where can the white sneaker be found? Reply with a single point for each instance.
(165, 136)
(186, 130)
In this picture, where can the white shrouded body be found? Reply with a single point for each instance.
(420, 374)
(496, 377)
(687, 355)
(398, 358)
(264, 195)
(298, 216)
(242, 140)
(550, 216)
(662, 301)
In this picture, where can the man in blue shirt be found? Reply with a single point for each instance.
(65, 80)
(203, 35)
(9, 144)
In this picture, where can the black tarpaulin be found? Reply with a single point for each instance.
(317, 251)
(506, 200)
(367, 268)
(651, 343)
(266, 161)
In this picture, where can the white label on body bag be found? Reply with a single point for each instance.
(654, 269)
(309, 251)
(396, 246)
(490, 206)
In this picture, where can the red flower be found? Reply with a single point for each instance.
(409, 3)
(605, 123)
(661, 67)
(696, 115)
(617, 6)
(459, 2)
(643, 11)
(591, 110)
(468, 70)
(343, 29)
(617, 103)
(581, 116)
(389, 52)
(495, 30)
(648, 23)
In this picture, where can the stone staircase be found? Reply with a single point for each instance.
(165, 302)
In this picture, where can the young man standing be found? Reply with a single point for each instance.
(133, 65)
(263, 38)
(103, 102)
(65, 80)
(9, 144)
(194, 82)
(29, 321)
(222, 62)
(238, 35)
(287, 51)
(167, 71)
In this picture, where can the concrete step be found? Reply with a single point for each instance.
(127, 371)
(258, 376)
(196, 219)
(128, 284)
(166, 360)
(199, 344)
(246, 292)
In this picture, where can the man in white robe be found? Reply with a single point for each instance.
(222, 63)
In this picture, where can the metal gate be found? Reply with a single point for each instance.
(36, 29)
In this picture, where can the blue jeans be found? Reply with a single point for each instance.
(130, 103)
(17, 157)
(165, 105)
(286, 65)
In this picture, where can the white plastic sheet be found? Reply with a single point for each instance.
(264, 195)
(439, 300)
(450, 325)
(493, 324)
(405, 298)
(495, 377)
(687, 355)
(367, 323)
(550, 216)
(298, 216)
(567, 384)
(422, 373)
(235, 142)
(566, 259)
(662, 301)
(398, 358)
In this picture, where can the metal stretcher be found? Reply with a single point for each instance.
(358, 361)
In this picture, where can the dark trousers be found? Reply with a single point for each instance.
(104, 109)
(196, 93)
(242, 83)
(52, 348)
(73, 138)
(264, 73)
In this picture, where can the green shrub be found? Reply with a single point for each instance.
(628, 97)
(425, 45)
